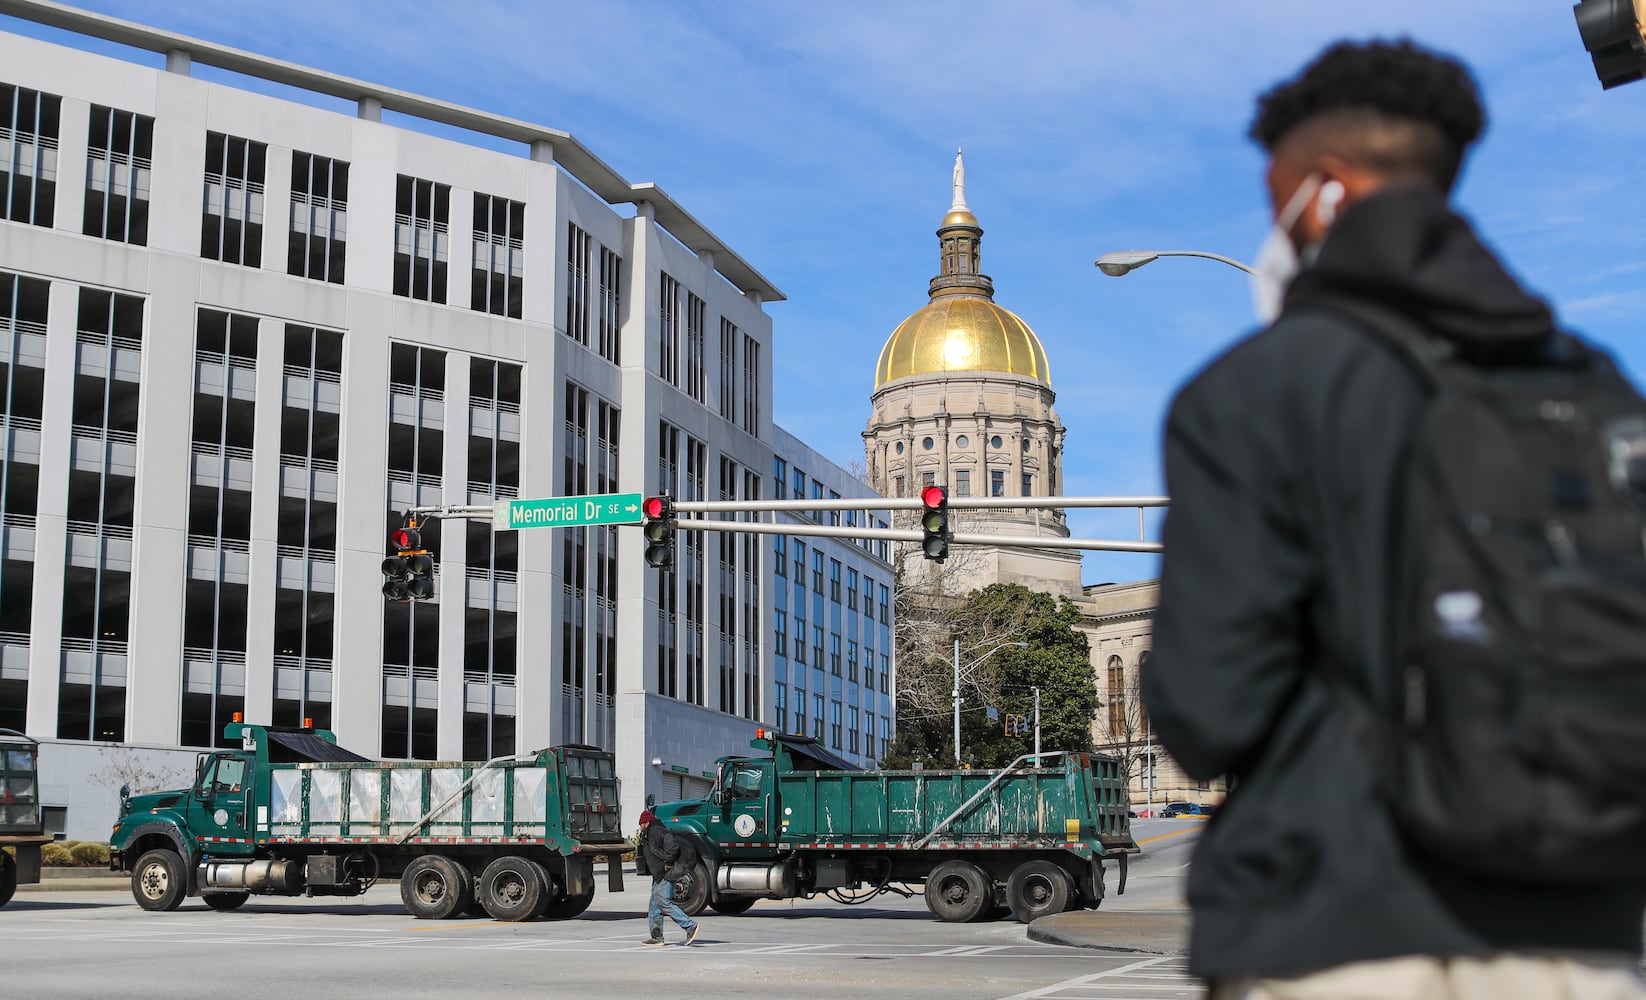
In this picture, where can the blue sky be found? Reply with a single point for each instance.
(817, 140)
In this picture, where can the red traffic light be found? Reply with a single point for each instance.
(934, 497)
(406, 538)
(655, 507)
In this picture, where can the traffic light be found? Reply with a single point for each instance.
(934, 522)
(1611, 31)
(408, 575)
(659, 531)
(1017, 725)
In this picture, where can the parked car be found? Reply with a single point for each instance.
(1174, 809)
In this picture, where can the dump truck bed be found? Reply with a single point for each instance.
(1058, 805)
(505, 801)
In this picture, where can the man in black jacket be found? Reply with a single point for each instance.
(669, 859)
(1282, 460)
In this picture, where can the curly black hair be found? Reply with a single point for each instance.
(1365, 86)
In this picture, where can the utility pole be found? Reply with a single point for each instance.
(974, 664)
(957, 701)
(1037, 727)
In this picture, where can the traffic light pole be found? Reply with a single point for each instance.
(453, 512)
(1037, 727)
(913, 535)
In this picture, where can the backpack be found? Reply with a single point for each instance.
(1509, 740)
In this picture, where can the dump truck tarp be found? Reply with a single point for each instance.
(305, 748)
(806, 751)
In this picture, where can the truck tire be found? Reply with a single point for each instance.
(958, 892)
(566, 907)
(8, 878)
(513, 888)
(1038, 888)
(692, 892)
(434, 887)
(223, 902)
(158, 881)
(731, 906)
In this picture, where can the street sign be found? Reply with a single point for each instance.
(567, 512)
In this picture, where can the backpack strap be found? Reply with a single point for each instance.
(1423, 353)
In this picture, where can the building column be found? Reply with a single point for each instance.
(51, 519)
(267, 486)
(454, 584)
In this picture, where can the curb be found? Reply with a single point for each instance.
(106, 883)
(1046, 935)
(1144, 932)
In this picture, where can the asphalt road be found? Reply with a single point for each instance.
(99, 944)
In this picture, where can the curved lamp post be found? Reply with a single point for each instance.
(1122, 262)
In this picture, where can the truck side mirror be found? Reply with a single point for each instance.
(722, 797)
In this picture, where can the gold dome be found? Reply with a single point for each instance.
(958, 217)
(962, 333)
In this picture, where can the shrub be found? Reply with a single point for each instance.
(88, 853)
(56, 855)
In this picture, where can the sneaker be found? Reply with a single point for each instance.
(691, 935)
(653, 941)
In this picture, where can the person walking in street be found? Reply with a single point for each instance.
(1289, 459)
(669, 859)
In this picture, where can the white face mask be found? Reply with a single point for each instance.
(1277, 261)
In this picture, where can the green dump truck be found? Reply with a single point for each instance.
(289, 812)
(22, 828)
(1031, 838)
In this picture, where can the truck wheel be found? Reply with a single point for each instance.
(1038, 888)
(158, 881)
(8, 878)
(958, 892)
(566, 907)
(513, 888)
(434, 887)
(223, 902)
(731, 906)
(692, 892)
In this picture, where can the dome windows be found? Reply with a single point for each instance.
(995, 442)
(927, 444)
(962, 441)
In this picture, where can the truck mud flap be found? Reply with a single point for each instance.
(614, 873)
(1125, 860)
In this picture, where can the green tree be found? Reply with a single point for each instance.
(1055, 660)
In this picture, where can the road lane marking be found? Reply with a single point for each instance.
(1092, 981)
(1163, 836)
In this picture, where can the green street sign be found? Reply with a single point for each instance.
(567, 512)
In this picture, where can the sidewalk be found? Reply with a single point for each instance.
(1147, 932)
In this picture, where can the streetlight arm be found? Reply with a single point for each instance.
(1123, 262)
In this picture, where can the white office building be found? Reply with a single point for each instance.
(238, 340)
(833, 669)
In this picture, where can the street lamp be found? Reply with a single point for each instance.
(974, 665)
(1123, 262)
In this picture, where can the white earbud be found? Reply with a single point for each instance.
(1331, 196)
